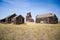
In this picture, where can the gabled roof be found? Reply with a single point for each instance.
(19, 16)
(11, 15)
(45, 15)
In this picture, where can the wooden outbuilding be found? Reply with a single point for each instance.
(18, 19)
(8, 19)
(47, 18)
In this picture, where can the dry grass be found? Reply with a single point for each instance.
(30, 31)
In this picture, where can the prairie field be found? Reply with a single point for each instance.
(30, 31)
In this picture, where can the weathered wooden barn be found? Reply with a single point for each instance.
(8, 19)
(18, 19)
(47, 18)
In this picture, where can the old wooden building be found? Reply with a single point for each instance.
(47, 18)
(29, 17)
(18, 19)
(8, 19)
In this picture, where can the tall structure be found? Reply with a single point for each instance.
(29, 17)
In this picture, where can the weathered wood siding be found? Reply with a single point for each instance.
(9, 19)
(18, 20)
(49, 20)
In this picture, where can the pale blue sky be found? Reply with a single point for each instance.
(36, 7)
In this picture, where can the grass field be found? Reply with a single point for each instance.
(30, 31)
